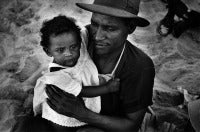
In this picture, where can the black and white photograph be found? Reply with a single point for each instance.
(99, 65)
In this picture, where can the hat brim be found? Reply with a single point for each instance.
(105, 10)
(194, 114)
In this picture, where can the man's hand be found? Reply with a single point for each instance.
(65, 103)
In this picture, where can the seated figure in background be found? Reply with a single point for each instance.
(187, 18)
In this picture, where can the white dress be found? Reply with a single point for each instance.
(69, 79)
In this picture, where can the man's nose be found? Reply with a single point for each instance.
(67, 52)
(99, 34)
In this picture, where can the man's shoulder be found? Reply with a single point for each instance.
(137, 57)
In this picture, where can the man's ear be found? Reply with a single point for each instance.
(47, 52)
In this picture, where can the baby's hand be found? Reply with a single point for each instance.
(113, 85)
(102, 80)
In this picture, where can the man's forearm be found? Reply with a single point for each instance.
(111, 124)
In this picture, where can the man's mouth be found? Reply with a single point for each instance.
(101, 45)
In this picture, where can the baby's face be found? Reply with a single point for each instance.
(65, 48)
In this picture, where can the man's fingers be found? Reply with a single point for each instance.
(55, 89)
(49, 102)
(61, 93)
(57, 107)
(52, 94)
(58, 95)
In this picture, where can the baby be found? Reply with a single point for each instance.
(72, 70)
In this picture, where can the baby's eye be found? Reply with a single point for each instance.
(74, 47)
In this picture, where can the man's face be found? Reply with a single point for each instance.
(108, 33)
(65, 48)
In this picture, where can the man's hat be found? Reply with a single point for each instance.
(116, 8)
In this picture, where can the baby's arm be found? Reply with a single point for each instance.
(108, 87)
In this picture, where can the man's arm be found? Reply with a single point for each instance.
(130, 123)
(69, 105)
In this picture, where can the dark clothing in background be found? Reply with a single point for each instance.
(190, 18)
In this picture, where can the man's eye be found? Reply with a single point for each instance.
(110, 29)
(60, 50)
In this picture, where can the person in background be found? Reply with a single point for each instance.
(187, 18)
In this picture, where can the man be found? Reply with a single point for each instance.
(112, 21)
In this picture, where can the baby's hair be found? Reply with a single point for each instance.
(56, 26)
